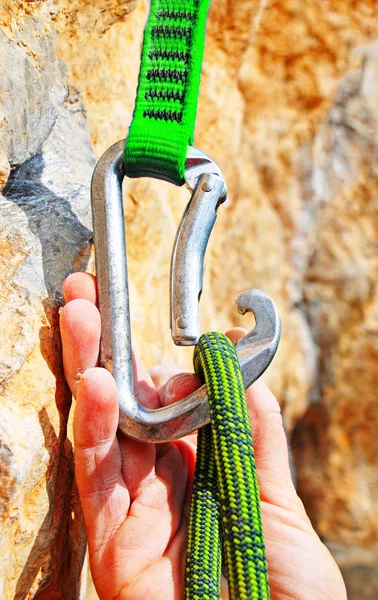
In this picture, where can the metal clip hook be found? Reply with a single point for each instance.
(255, 350)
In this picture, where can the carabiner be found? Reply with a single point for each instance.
(255, 350)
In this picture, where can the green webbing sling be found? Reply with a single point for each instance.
(167, 95)
(225, 519)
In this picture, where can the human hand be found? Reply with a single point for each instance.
(136, 496)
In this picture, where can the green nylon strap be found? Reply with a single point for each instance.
(229, 493)
(166, 104)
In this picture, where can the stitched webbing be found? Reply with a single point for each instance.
(167, 95)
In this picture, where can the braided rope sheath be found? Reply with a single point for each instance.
(167, 95)
(203, 557)
(242, 533)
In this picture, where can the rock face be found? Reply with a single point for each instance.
(335, 444)
(44, 222)
(288, 108)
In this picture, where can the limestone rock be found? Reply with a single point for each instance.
(32, 88)
(335, 443)
(4, 170)
(44, 222)
(288, 109)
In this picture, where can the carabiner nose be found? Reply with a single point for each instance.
(255, 352)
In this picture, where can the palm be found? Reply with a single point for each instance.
(135, 496)
(140, 554)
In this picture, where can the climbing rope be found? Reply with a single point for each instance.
(225, 508)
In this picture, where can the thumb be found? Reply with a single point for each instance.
(270, 443)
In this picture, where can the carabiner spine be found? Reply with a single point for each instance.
(111, 266)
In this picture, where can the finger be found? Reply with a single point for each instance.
(80, 329)
(178, 542)
(144, 388)
(185, 471)
(270, 444)
(80, 285)
(161, 374)
(179, 387)
(103, 494)
(147, 386)
(138, 458)
(269, 440)
(235, 334)
(173, 384)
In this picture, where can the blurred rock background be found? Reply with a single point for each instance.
(289, 109)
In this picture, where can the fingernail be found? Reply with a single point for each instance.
(180, 386)
(176, 382)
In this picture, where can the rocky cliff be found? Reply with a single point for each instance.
(289, 109)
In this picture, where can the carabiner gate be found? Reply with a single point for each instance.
(255, 351)
(205, 181)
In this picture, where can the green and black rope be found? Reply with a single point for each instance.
(229, 491)
(203, 559)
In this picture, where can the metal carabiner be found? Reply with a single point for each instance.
(255, 351)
